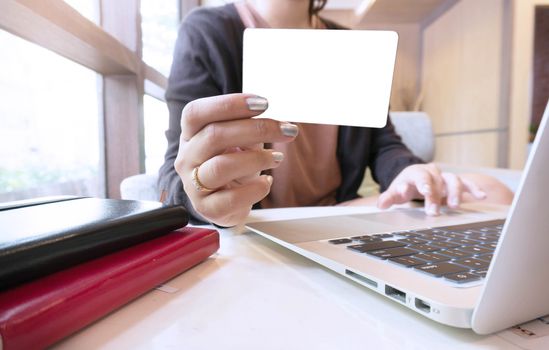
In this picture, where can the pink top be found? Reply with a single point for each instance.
(309, 174)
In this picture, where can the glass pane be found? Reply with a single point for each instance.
(159, 24)
(216, 2)
(156, 123)
(49, 118)
(87, 8)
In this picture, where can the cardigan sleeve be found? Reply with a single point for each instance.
(190, 78)
(389, 156)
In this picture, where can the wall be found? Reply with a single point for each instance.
(463, 72)
(541, 65)
(407, 66)
(521, 78)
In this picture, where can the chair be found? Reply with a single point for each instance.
(140, 187)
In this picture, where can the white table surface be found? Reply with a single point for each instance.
(254, 294)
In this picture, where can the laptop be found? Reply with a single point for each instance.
(479, 267)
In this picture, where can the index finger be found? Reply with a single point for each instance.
(201, 112)
(427, 186)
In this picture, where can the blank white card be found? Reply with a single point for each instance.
(340, 77)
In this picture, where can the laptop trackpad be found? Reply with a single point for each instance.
(314, 229)
(408, 219)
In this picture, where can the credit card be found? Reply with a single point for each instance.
(339, 77)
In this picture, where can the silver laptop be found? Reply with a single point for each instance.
(478, 267)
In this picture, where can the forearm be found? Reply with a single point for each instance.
(390, 156)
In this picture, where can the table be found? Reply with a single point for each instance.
(254, 294)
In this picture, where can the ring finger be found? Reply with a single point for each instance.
(222, 169)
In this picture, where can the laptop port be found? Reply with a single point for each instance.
(423, 306)
(361, 278)
(395, 293)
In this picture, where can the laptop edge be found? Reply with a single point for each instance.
(499, 303)
(516, 288)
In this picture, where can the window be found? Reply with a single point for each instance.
(156, 123)
(159, 24)
(87, 8)
(71, 107)
(49, 117)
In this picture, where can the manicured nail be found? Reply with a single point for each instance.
(433, 209)
(270, 179)
(288, 129)
(278, 157)
(425, 190)
(257, 103)
(454, 202)
(481, 194)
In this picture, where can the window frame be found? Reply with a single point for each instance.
(113, 49)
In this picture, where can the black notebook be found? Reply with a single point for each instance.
(44, 236)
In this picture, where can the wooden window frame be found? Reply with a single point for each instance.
(112, 49)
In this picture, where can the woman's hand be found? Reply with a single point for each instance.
(221, 155)
(426, 181)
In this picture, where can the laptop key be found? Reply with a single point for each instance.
(446, 245)
(413, 240)
(408, 261)
(463, 241)
(463, 231)
(437, 238)
(454, 235)
(455, 253)
(383, 235)
(490, 229)
(431, 257)
(462, 277)
(473, 263)
(391, 253)
(406, 234)
(482, 273)
(424, 247)
(430, 231)
(483, 238)
(476, 250)
(366, 247)
(366, 239)
(441, 269)
(340, 241)
(486, 257)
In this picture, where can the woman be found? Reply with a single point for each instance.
(216, 151)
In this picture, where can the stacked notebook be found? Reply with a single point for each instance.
(65, 262)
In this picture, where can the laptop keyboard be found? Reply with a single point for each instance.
(458, 254)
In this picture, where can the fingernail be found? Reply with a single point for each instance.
(425, 190)
(289, 129)
(482, 194)
(433, 209)
(270, 179)
(257, 103)
(454, 202)
(278, 157)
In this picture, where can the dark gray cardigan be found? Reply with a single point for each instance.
(208, 61)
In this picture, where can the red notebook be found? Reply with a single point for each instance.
(39, 313)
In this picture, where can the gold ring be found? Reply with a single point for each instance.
(196, 182)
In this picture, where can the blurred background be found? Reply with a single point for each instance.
(82, 83)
